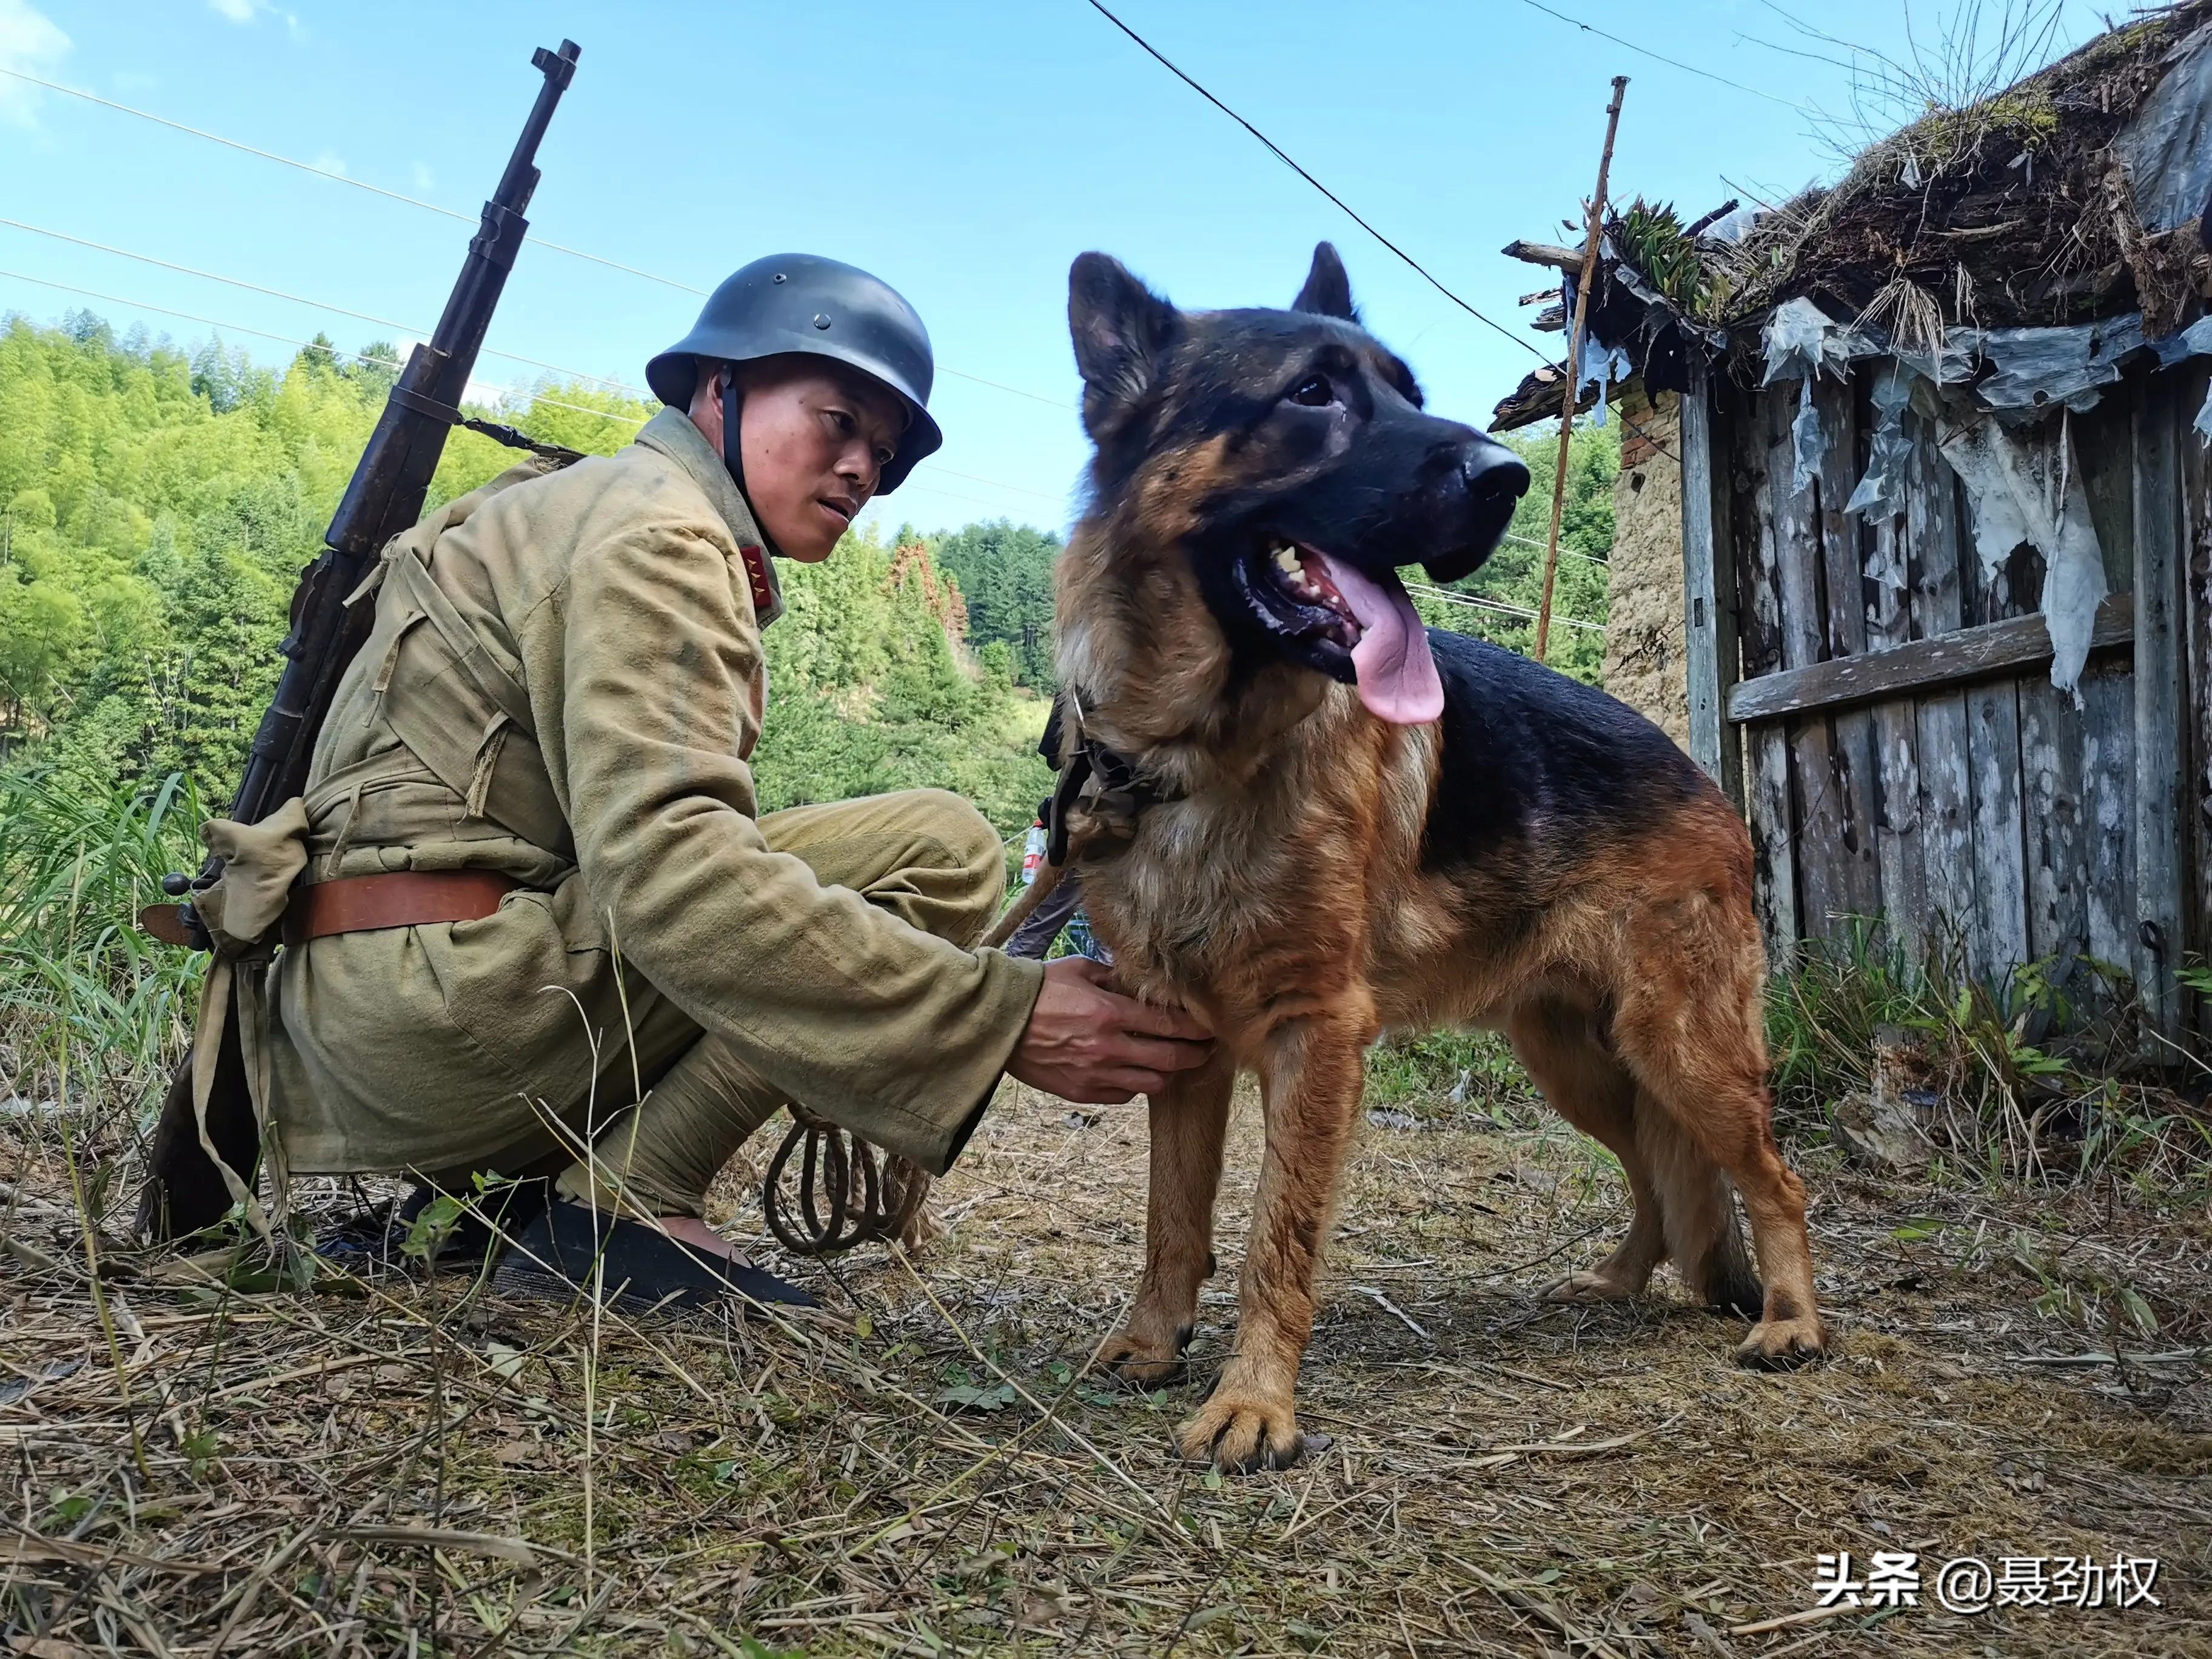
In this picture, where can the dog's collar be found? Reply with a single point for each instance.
(1104, 787)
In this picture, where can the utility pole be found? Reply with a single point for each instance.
(1595, 229)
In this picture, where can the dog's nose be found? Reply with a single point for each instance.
(1494, 479)
(1493, 473)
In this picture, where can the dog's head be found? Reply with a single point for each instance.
(1287, 454)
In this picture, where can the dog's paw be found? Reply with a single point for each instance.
(1244, 1432)
(1783, 1344)
(1143, 1362)
(1589, 1285)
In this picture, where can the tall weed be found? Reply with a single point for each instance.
(2040, 1077)
(84, 996)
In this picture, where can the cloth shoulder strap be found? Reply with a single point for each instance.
(461, 713)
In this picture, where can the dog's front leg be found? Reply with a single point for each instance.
(1309, 1077)
(1188, 1119)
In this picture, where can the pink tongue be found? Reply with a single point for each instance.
(1397, 676)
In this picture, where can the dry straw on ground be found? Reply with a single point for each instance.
(390, 1467)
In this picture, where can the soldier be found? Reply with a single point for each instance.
(542, 930)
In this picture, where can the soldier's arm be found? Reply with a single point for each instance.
(900, 1033)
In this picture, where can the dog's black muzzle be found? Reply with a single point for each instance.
(1475, 498)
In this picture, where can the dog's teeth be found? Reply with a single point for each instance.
(1286, 561)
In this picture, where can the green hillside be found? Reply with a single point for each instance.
(156, 505)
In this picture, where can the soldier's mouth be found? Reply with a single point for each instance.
(843, 509)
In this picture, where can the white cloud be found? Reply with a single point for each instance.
(245, 11)
(425, 181)
(331, 161)
(32, 42)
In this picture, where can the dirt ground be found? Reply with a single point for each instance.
(385, 1467)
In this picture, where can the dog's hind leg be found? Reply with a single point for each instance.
(1310, 1079)
(1689, 1025)
(1590, 1089)
(1699, 1208)
(1188, 1122)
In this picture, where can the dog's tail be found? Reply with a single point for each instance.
(1697, 1207)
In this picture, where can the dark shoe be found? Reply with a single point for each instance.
(641, 1266)
(375, 1241)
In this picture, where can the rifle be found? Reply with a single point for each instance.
(185, 1191)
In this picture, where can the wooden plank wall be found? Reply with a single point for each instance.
(1993, 820)
(2196, 519)
(2161, 701)
(1757, 449)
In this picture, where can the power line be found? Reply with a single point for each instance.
(1661, 57)
(1060, 500)
(317, 305)
(1278, 153)
(327, 173)
(1565, 552)
(447, 212)
(506, 392)
(1478, 604)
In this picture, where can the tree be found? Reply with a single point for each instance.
(157, 505)
(1513, 576)
(1005, 572)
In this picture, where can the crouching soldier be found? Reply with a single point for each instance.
(543, 932)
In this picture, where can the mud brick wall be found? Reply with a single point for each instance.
(1644, 643)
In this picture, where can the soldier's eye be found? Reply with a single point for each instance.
(1314, 392)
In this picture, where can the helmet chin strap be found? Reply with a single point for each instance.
(733, 451)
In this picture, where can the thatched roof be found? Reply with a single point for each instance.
(2022, 210)
(2015, 211)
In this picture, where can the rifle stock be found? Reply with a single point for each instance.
(184, 1191)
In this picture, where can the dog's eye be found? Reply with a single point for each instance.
(1314, 391)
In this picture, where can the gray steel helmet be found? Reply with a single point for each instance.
(801, 302)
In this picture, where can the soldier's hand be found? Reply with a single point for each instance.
(1085, 1043)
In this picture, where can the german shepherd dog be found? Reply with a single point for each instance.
(1359, 825)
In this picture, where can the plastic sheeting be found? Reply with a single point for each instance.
(1801, 341)
(2166, 150)
(1881, 486)
(2034, 370)
(2195, 341)
(2027, 488)
(1603, 365)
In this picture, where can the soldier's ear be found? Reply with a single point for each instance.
(1328, 292)
(1119, 327)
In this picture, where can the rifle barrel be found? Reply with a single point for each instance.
(392, 479)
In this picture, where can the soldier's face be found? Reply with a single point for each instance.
(816, 436)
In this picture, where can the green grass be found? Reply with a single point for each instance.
(90, 1008)
(1439, 1073)
(2036, 1080)
(2044, 1076)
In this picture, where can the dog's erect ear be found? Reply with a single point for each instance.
(1328, 292)
(1119, 327)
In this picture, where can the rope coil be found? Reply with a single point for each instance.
(841, 1198)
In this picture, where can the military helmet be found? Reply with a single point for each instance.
(801, 302)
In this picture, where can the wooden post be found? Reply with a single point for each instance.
(2161, 784)
(1597, 230)
(1708, 588)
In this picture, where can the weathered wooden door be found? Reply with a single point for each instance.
(1884, 710)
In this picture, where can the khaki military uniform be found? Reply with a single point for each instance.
(563, 684)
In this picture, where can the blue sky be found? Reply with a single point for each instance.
(966, 152)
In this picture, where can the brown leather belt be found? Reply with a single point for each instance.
(404, 898)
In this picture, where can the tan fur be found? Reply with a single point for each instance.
(1283, 899)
